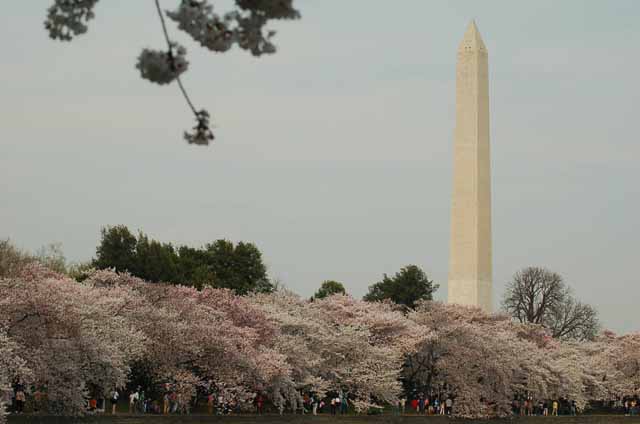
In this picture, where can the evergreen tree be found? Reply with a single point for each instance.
(407, 287)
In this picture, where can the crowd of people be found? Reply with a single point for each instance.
(426, 405)
(170, 401)
(530, 407)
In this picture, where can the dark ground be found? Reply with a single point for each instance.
(307, 419)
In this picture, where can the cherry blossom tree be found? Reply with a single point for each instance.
(68, 335)
(81, 339)
(483, 361)
(210, 335)
(243, 26)
(618, 359)
(12, 367)
(338, 343)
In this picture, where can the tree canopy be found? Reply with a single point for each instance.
(328, 288)
(406, 287)
(191, 342)
(220, 264)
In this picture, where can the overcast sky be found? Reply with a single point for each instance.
(334, 155)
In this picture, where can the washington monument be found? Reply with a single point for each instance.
(470, 275)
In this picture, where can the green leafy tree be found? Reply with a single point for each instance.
(407, 287)
(238, 267)
(117, 249)
(193, 268)
(155, 261)
(328, 288)
(219, 264)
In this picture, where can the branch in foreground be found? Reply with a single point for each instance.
(171, 69)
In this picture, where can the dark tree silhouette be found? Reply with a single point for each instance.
(538, 296)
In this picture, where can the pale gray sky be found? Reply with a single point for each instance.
(334, 155)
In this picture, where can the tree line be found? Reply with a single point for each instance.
(220, 264)
(534, 295)
(67, 340)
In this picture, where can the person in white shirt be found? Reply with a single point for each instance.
(114, 401)
(133, 398)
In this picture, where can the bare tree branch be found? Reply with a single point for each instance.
(539, 296)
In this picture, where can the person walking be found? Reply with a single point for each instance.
(21, 398)
(142, 402)
(210, 400)
(133, 399)
(37, 400)
(414, 404)
(259, 403)
(449, 405)
(114, 400)
(165, 403)
(554, 408)
(344, 404)
(403, 404)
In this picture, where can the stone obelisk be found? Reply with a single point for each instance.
(470, 275)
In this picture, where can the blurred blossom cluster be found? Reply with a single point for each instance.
(68, 18)
(162, 67)
(202, 133)
(244, 26)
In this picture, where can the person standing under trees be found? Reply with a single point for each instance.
(554, 410)
(114, 400)
(344, 405)
(210, 400)
(165, 403)
(37, 400)
(133, 399)
(259, 404)
(20, 399)
(141, 402)
(449, 406)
